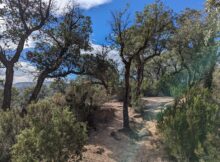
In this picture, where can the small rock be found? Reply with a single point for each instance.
(100, 151)
(115, 136)
(138, 116)
(84, 149)
(168, 105)
(143, 133)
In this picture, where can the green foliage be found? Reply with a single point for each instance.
(201, 67)
(136, 101)
(187, 125)
(84, 98)
(216, 85)
(53, 135)
(138, 104)
(58, 85)
(174, 85)
(10, 125)
(15, 97)
(44, 92)
(101, 69)
(150, 88)
(212, 148)
(49, 132)
(120, 93)
(59, 49)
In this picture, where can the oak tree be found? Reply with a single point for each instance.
(19, 19)
(57, 54)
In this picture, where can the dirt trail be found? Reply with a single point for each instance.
(110, 144)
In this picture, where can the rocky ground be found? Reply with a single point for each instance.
(109, 143)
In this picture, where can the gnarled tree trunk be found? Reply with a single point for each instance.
(38, 86)
(8, 87)
(140, 76)
(126, 97)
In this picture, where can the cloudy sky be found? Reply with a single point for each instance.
(100, 13)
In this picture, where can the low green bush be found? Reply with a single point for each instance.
(53, 134)
(138, 104)
(189, 127)
(150, 88)
(120, 93)
(49, 132)
(16, 97)
(11, 125)
(84, 99)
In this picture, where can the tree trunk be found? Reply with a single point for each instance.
(190, 80)
(208, 79)
(8, 87)
(126, 97)
(140, 71)
(38, 86)
(105, 86)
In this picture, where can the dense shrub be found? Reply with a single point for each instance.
(49, 132)
(53, 134)
(58, 86)
(216, 84)
(120, 93)
(11, 125)
(138, 104)
(84, 99)
(44, 92)
(59, 99)
(150, 88)
(189, 127)
(16, 97)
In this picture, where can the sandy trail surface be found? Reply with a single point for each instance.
(110, 144)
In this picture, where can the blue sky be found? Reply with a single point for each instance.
(101, 15)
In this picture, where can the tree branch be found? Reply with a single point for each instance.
(3, 58)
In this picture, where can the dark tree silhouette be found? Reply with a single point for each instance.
(21, 19)
(58, 53)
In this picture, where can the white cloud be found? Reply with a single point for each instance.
(113, 54)
(24, 72)
(87, 4)
(60, 8)
(84, 4)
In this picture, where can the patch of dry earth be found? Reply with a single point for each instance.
(109, 144)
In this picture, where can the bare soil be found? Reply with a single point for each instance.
(109, 143)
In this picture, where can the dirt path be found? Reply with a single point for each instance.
(110, 144)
